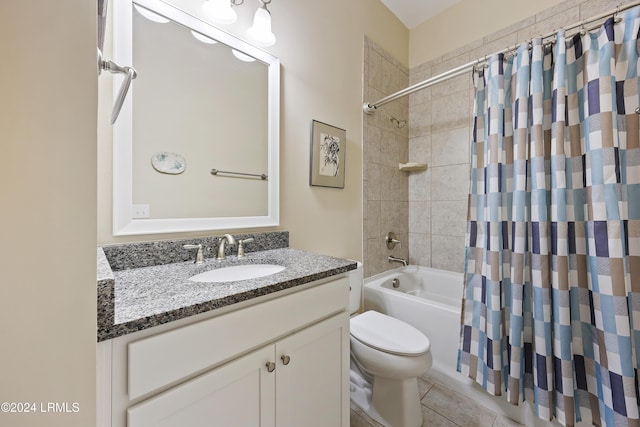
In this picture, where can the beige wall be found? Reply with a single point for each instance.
(469, 21)
(320, 46)
(440, 125)
(48, 193)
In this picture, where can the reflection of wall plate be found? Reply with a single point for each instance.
(170, 163)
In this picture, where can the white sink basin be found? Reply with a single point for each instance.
(237, 272)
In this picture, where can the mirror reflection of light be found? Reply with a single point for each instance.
(203, 38)
(151, 16)
(242, 57)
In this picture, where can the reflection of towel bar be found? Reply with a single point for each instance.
(261, 176)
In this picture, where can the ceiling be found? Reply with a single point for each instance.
(414, 12)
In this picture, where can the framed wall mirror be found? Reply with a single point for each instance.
(203, 100)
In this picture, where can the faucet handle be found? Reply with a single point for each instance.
(241, 246)
(392, 240)
(199, 255)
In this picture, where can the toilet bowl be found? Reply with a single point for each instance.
(390, 355)
(387, 356)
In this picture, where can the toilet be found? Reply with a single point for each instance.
(387, 356)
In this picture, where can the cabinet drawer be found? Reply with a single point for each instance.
(163, 359)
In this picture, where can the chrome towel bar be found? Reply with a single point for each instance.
(262, 176)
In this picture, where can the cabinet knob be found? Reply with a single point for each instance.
(285, 359)
(270, 366)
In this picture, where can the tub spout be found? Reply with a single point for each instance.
(396, 259)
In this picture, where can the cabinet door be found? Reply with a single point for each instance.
(312, 381)
(239, 393)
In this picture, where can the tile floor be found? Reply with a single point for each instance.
(442, 407)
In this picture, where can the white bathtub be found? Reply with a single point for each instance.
(426, 298)
(430, 300)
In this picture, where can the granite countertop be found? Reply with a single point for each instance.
(134, 299)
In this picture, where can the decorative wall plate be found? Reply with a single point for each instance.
(170, 163)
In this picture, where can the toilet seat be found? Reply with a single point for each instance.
(388, 334)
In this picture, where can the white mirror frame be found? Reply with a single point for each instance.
(123, 222)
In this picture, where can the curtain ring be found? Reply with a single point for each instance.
(616, 18)
(475, 69)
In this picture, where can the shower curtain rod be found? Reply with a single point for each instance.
(370, 108)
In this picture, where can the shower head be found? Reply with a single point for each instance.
(399, 123)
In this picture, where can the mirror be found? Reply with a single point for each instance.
(203, 100)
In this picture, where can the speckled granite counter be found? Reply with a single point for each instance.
(134, 299)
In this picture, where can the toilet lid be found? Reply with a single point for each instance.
(388, 334)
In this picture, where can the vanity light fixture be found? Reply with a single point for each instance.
(151, 16)
(221, 12)
(260, 33)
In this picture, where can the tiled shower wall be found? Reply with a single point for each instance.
(439, 133)
(386, 205)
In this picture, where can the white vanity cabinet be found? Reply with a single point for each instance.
(282, 362)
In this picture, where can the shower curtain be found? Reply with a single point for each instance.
(551, 304)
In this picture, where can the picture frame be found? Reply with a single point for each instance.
(327, 159)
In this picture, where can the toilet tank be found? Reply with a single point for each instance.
(355, 288)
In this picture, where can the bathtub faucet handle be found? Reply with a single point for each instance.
(392, 240)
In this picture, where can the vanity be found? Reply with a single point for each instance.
(269, 351)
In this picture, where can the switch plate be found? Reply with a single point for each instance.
(139, 211)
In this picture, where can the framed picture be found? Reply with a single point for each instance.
(328, 146)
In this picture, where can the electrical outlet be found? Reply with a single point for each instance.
(139, 211)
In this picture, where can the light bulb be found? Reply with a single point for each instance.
(220, 11)
(203, 38)
(242, 57)
(151, 16)
(260, 33)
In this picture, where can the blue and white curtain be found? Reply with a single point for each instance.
(551, 304)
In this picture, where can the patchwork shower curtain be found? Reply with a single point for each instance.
(551, 304)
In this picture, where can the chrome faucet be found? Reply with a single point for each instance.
(396, 259)
(226, 238)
